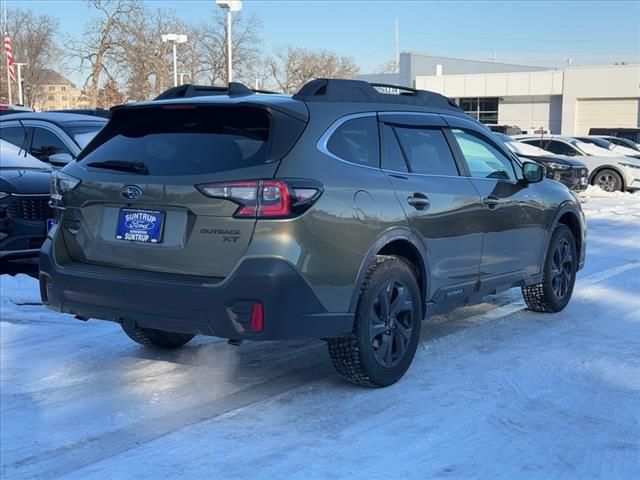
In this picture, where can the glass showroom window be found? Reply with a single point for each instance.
(483, 109)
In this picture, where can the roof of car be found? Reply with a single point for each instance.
(53, 117)
(346, 93)
(564, 138)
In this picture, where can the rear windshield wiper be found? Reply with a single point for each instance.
(133, 167)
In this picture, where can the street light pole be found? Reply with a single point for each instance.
(175, 66)
(229, 6)
(229, 48)
(176, 39)
(20, 65)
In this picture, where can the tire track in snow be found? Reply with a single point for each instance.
(71, 457)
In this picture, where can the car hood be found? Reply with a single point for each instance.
(24, 181)
(525, 150)
(563, 159)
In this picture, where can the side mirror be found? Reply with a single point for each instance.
(533, 172)
(60, 159)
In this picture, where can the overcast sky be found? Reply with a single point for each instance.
(544, 33)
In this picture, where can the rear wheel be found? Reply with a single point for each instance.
(554, 292)
(386, 329)
(608, 180)
(150, 337)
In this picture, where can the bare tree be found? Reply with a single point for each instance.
(147, 61)
(291, 67)
(32, 42)
(212, 50)
(98, 48)
(110, 95)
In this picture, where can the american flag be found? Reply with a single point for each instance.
(10, 62)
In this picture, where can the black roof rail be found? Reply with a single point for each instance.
(234, 89)
(359, 91)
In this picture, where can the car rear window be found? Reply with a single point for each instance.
(189, 139)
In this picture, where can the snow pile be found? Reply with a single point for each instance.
(608, 206)
(593, 191)
(18, 290)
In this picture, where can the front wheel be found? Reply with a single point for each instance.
(150, 337)
(608, 180)
(386, 329)
(559, 276)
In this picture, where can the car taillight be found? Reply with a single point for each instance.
(61, 183)
(266, 198)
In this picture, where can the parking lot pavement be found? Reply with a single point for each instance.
(495, 391)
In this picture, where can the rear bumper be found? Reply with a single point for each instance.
(206, 306)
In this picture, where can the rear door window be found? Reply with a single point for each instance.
(192, 140)
(427, 151)
(392, 156)
(357, 141)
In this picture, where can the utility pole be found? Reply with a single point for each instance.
(20, 65)
(397, 46)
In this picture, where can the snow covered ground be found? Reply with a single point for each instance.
(495, 392)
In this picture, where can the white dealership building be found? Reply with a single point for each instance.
(568, 101)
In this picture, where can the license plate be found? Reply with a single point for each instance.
(50, 223)
(144, 226)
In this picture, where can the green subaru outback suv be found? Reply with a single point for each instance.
(347, 212)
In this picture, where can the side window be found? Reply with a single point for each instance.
(483, 159)
(535, 143)
(560, 148)
(357, 141)
(46, 143)
(392, 156)
(15, 135)
(427, 151)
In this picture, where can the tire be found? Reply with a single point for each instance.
(150, 337)
(382, 345)
(559, 276)
(608, 180)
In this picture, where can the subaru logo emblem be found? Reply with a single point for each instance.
(131, 192)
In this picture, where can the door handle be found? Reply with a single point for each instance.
(419, 201)
(491, 201)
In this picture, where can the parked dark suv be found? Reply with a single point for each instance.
(340, 213)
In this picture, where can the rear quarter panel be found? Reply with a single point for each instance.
(329, 243)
